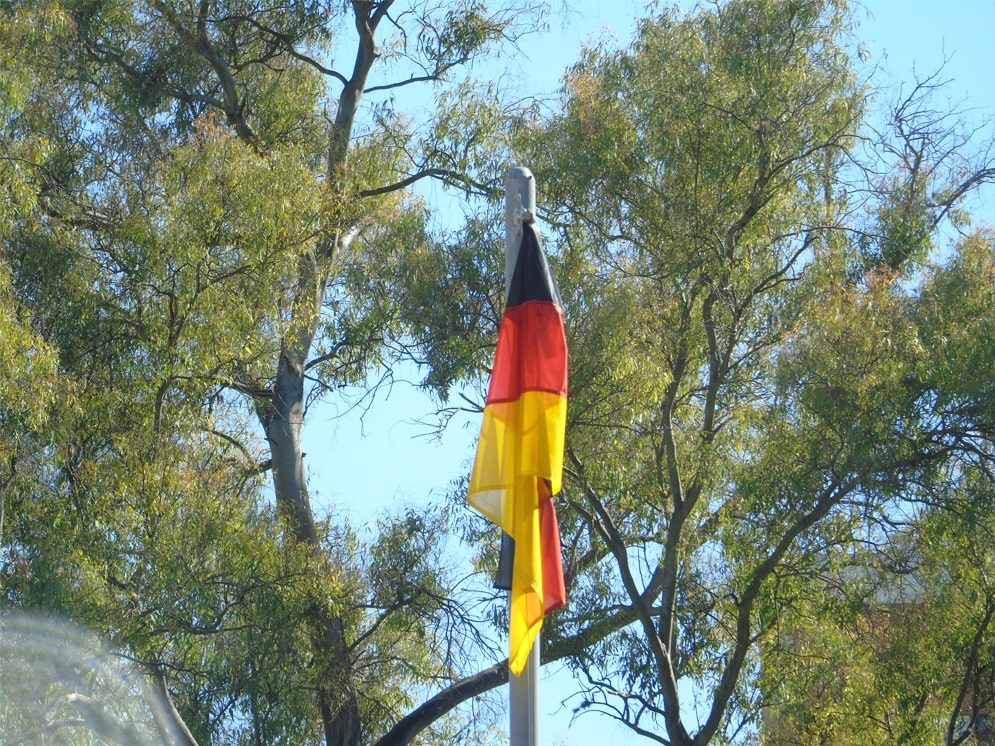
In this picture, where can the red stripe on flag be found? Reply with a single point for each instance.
(531, 353)
(554, 590)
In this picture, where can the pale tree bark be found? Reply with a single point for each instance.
(168, 718)
(283, 413)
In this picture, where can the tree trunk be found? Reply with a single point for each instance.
(283, 419)
(283, 415)
(283, 431)
(337, 698)
(169, 720)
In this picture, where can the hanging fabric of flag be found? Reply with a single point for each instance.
(519, 461)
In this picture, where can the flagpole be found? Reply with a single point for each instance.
(523, 698)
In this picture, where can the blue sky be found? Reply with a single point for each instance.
(346, 453)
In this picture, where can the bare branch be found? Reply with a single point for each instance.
(445, 175)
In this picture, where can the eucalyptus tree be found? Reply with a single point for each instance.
(188, 187)
(900, 649)
(750, 386)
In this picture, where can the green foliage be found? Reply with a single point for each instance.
(901, 651)
(956, 322)
(27, 369)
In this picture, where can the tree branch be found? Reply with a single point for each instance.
(168, 718)
(200, 42)
(449, 177)
(408, 728)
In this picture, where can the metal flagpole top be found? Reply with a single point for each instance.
(519, 207)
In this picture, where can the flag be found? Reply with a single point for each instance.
(519, 461)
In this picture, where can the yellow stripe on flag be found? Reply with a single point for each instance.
(518, 439)
(521, 442)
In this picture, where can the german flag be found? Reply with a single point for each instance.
(519, 461)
